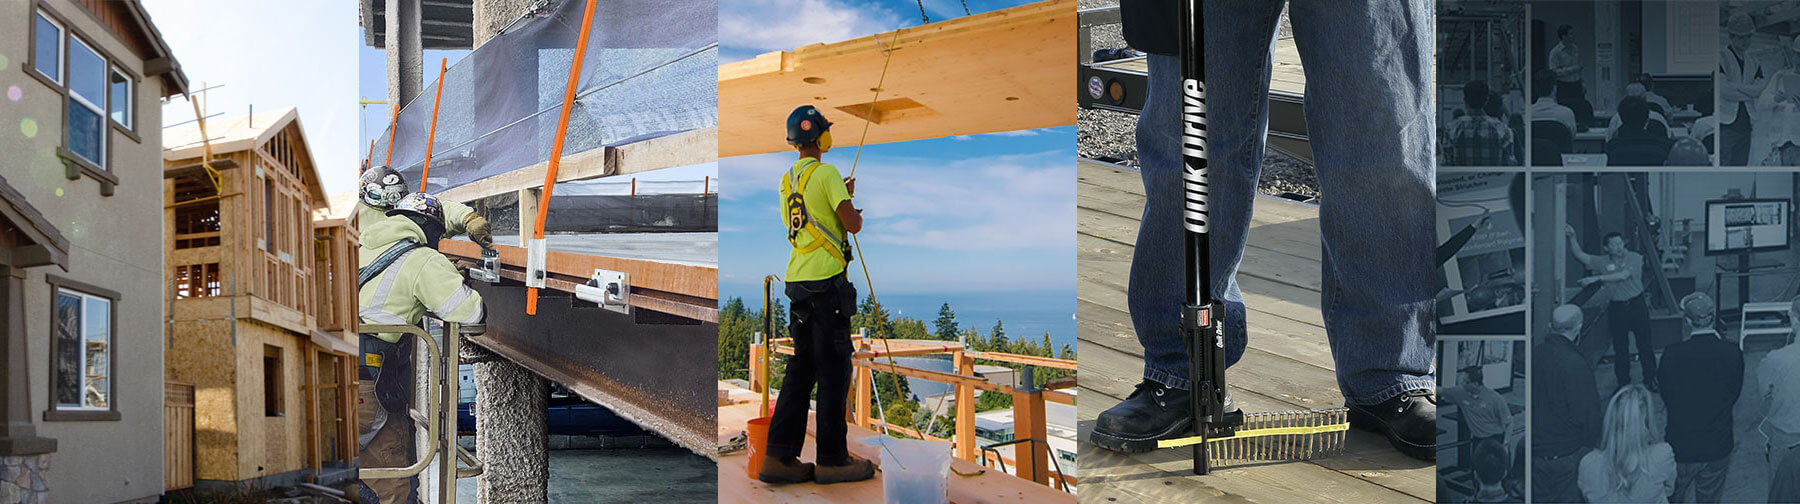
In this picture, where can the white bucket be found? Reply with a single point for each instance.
(914, 471)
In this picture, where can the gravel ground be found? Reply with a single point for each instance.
(1108, 135)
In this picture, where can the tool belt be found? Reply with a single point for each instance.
(392, 390)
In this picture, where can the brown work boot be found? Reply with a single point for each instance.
(783, 470)
(856, 470)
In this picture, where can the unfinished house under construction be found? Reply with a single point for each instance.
(605, 279)
(260, 331)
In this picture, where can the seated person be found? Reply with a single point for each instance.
(1705, 129)
(1688, 151)
(1475, 138)
(1637, 90)
(1545, 107)
(1637, 142)
(1491, 468)
(1649, 85)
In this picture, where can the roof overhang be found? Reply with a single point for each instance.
(41, 243)
(161, 60)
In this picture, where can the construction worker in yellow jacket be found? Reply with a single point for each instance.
(382, 187)
(402, 277)
(815, 204)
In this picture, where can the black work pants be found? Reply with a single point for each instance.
(819, 320)
(1627, 318)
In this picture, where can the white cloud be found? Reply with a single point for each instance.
(772, 25)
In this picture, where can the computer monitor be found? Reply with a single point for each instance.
(1748, 225)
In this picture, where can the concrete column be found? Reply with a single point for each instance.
(404, 51)
(511, 438)
(492, 15)
(18, 435)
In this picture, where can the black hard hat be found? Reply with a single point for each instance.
(382, 187)
(805, 125)
(422, 205)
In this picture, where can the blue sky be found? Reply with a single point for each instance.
(978, 214)
(250, 48)
(751, 27)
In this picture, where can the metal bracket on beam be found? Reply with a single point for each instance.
(609, 289)
(490, 267)
(535, 252)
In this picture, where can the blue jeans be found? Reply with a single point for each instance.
(1371, 121)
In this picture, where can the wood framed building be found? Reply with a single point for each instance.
(261, 303)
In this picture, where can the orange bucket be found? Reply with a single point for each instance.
(758, 430)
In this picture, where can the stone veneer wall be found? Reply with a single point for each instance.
(23, 479)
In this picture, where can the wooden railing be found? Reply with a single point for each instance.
(1029, 421)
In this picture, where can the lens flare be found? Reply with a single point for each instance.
(4, 62)
(14, 93)
(59, 192)
(28, 126)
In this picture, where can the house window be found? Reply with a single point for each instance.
(120, 106)
(46, 55)
(83, 332)
(197, 281)
(197, 225)
(87, 96)
(272, 381)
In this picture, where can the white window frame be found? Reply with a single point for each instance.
(101, 109)
(62, 46)
(82, 340)
(130, 96)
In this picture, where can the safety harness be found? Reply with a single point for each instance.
(799, 219)
(387, 258)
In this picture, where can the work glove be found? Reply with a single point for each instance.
(477, 228)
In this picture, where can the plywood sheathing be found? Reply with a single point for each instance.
(997, 71)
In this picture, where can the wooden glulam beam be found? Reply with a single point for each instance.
(997, 71)
(697, 281)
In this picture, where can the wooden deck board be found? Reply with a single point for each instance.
(735, 484)
(1288, 364)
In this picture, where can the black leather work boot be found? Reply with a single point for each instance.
(1152, 412)
(1409, 421)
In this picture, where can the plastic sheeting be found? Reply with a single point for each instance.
(650, 70)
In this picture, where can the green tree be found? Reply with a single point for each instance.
(997, 337)
(736, 329)
(945, 327)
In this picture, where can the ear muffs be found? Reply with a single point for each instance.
(825, 141)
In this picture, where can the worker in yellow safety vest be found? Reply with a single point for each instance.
(401, 277)
(382, 187)
(815, 205)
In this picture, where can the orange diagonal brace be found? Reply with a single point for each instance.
(393, 131)
(556, 149)
(431, 137)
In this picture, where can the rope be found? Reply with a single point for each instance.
(966, 11)
(922, 12)
(888, 57)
